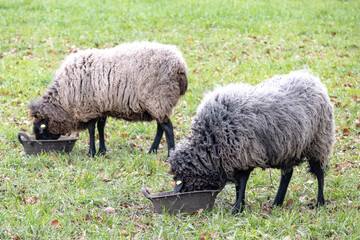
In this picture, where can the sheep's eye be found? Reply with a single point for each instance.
(42, 126)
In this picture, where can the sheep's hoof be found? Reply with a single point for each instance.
(152, 150)
(274, 205)
(320, 203)
(317, 206)
(91, 154)
(101, 152)
(237, 211)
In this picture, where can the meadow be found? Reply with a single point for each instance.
(73, 196)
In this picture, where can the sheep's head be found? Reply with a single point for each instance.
(190, 184)
(39, 110)
(190, 174)
(41, 130)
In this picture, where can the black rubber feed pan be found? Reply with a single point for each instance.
(187, 202)
(33, 146)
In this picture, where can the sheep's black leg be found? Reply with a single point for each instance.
(242, 178)
(284, 183)
(91, 128)
(101, 126)
(169, 134)
(156, 142)
(320, 198)
(316, 169)
(237, 189)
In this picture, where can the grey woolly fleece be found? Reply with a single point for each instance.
(139, 81)
(278, 123)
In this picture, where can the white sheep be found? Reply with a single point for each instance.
(139, 81)
(278, 123)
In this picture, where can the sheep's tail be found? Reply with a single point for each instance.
(183, 83)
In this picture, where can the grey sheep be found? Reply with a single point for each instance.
(139, 81)
(278, 123)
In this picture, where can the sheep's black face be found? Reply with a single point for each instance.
(190, 184)
(41, 131)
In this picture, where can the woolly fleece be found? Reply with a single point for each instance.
(278, 123)
(140, 81)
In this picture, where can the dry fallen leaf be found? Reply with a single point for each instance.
(88, 218)
(32, 200)
(266, 208)
(205, 236)
(99, 219)
(106, 180)
(346, 131)
(289, 202)
(15, 237)
(55, 223)
(355, 97)
(109, 210)
(125, 205)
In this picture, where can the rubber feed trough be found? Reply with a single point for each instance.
(186, 202)
(33, 146)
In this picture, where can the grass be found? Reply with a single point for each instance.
(63, 196)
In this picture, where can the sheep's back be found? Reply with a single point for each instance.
(273, 124)
(120, 82)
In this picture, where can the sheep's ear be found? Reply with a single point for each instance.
(178, 184)
(42, 127)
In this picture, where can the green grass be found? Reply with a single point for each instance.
(222, 42)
